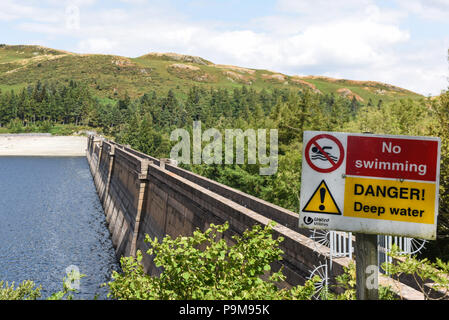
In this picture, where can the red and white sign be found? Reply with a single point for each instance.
(385, 157)
(378, 184)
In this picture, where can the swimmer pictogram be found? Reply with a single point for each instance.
(324, 153)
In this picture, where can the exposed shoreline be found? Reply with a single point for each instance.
(34, 145)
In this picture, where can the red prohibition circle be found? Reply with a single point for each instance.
(335, 165)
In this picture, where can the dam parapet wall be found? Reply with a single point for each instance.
(144, 195)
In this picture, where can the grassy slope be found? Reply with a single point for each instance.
(111, 76)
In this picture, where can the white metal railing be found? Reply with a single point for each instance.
(340, 245)
(404, 244)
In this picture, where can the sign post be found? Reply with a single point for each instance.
(370, 184)
(366, 264)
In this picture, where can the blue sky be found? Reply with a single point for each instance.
(400, 42)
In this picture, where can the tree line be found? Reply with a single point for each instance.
(146, 122)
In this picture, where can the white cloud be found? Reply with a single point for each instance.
(134, 1)
(371, 46)
(354, 39)
(66, 2)
(97, 45)
(348, 43)
(12, 10)
(322, 6)
(436, 10)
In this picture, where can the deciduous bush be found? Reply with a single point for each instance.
(205, 266)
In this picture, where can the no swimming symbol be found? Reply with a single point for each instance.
(324, 153)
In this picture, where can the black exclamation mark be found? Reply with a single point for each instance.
(422, 198)
(322, 195)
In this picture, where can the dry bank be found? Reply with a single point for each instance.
(42, 145)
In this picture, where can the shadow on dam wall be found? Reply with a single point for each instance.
(144, 195)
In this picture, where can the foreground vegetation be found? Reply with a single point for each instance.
(200, 267)
(27, 290)
(205, 267)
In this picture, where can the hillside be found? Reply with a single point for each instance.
(112, 76)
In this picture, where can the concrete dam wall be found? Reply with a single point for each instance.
(144, 195)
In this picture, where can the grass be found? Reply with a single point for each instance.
(56, 130)
(390, 95)
(14, 87)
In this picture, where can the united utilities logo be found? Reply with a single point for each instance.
(308, 220)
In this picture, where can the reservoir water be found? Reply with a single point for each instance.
(51, 219)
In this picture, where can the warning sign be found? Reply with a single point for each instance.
(370, 183)
(390, 200)
(322, 201)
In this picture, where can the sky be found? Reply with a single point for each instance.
(399, 42)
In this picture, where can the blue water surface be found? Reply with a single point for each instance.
(50, 220)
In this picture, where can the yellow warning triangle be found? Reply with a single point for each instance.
(322, 201)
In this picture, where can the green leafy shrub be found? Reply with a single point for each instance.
(27, 290)
(31, 128)
(204, 266)
(45, 126)
(345, 285)
(15, 126)
(67, 290)
(432, 278)
(63, 130)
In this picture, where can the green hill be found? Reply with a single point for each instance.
(112, 76)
